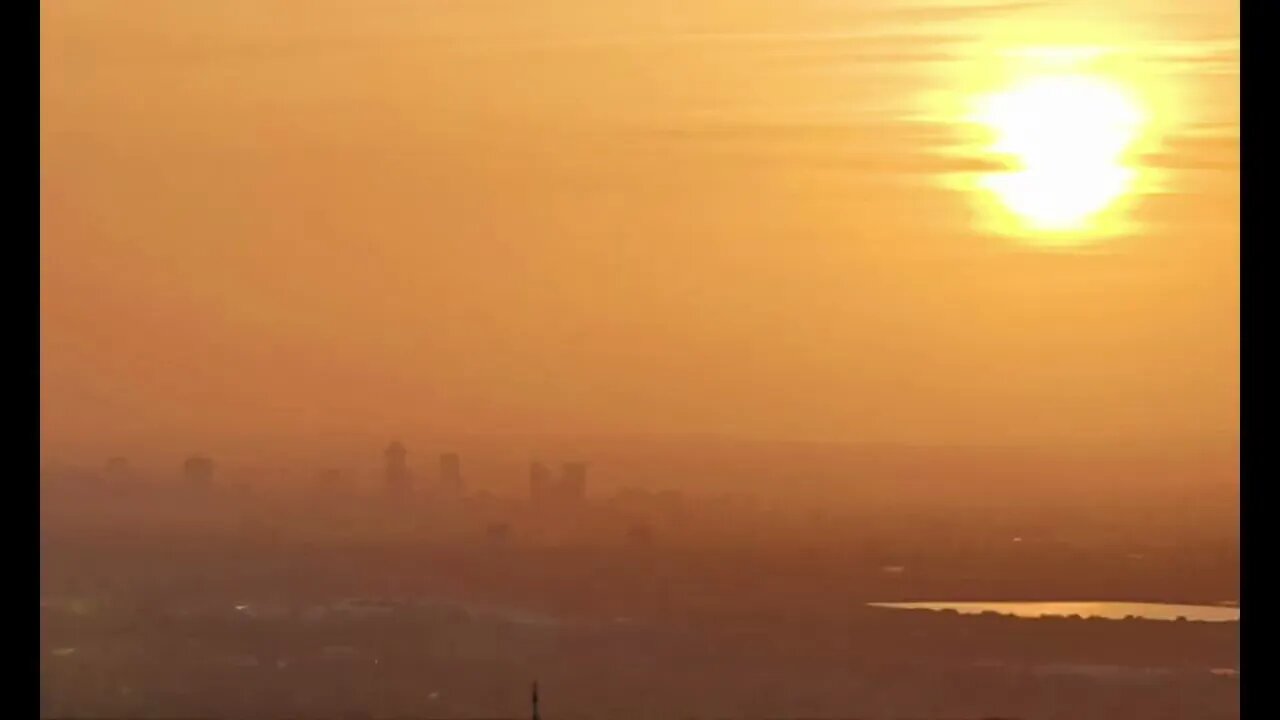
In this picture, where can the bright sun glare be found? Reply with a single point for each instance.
(1067, 136)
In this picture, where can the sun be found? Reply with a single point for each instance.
(1066, 138)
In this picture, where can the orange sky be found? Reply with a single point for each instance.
(727, 216)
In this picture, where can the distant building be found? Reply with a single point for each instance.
(670, 502)
(197, 471)
(540, 486)
(451, 474)
(498, 532)
(118, 471)
(640, 534)
(396, 472)
(573, 481)
(328, 481)
(571, 487)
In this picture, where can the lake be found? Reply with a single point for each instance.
(1108, 610)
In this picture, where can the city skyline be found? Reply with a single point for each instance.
(696, 358)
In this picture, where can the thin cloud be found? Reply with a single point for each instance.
(946, 11)
(1196, 152)
(903, 148)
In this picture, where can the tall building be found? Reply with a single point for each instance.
(573, 481)
(570, 488)
(451, 474)
(397, 470)
(539, 482)
(197, 471)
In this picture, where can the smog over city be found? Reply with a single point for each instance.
(638, 360)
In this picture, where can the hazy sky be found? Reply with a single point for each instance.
(750, 217)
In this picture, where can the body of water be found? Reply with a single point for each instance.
(1109, 610)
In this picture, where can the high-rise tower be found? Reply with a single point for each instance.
(397, 470)
(539, 482)
(573, 482)
(451, 474)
